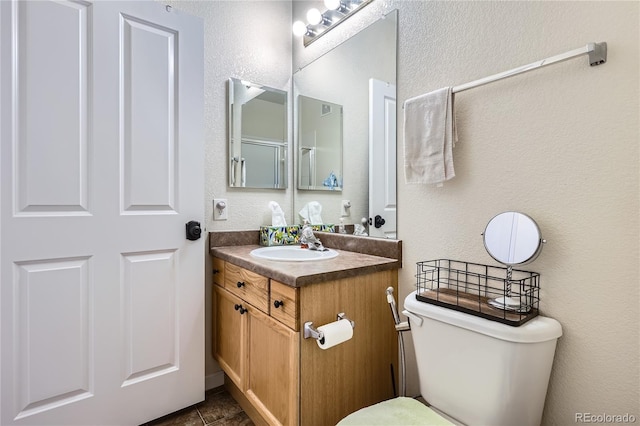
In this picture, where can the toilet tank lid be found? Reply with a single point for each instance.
(538, 329)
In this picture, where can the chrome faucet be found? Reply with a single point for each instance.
(309, 240)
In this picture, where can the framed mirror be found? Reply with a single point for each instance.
(258, 129)
(319, 144)
(512, 238)
(358, 76)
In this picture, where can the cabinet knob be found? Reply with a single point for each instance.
(215, 271)
(240, 284)
(238, 307)
(278, 303)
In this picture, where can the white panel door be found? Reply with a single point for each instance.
(102, 296)
(382, 159)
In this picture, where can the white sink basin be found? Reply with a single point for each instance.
(292, 254)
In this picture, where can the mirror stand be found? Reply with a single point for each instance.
(506, 302)
(512, 238)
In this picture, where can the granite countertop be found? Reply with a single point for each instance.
(296, 274)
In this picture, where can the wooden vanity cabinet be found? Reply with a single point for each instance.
(279, 377)
(258, 353)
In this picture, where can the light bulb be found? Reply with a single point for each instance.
(299, 28)
(314, 17)
(332, 4)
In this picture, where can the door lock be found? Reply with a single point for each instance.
(193, 230)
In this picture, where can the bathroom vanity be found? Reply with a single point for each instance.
(260, 307)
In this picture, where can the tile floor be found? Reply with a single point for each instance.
(218, 409)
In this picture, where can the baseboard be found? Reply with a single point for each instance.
(214, 380)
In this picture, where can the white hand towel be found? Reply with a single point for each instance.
(429, 137)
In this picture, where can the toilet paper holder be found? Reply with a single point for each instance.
(311, 332)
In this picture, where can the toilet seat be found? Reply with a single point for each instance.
(398, 411)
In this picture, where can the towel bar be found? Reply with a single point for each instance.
(597, 56)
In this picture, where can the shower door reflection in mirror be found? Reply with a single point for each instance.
(258, 130)
(320, 147)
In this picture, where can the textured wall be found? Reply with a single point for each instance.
(250, 40)
(560, 144)
(247, 40)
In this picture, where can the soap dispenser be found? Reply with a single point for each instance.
(342, 229)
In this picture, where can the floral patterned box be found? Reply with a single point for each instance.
(279, 235)
(287, 235)
(324, 227)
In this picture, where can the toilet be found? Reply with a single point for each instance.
(472, 371)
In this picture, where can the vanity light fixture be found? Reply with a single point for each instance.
(334, 5)
(314, 17)
(319, 23)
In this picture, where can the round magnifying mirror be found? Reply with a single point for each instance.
(512, 238)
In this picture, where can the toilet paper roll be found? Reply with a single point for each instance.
(335, 333)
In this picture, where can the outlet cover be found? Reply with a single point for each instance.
(345, 208)
(220, 209)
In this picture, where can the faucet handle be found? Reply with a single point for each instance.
(307, 232)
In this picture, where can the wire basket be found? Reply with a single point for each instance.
(507, 295)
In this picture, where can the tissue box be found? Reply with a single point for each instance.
(324, 228)
(279, 235)
(287, 235)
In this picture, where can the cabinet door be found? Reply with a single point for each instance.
(218, 271)
(273, 368)
(230, 324)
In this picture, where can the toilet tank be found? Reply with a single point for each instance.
(482, 372)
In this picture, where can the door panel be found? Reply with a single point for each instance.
(46, 283)
(42, 133)
(150, 329)
(101, 297)
(52, 306)
(148, 81)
